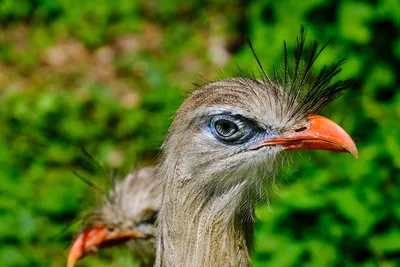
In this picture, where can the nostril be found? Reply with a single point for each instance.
(302, 129)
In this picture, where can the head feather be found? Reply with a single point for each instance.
(304, 93)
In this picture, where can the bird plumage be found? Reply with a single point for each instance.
(208, 181)
(222, 148)
(126, 216)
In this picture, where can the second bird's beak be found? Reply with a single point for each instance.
(317, 133)
(89, 240)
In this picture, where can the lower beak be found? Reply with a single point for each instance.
(90, 240)
(318, 133)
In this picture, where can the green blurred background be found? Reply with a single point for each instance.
(108, 75)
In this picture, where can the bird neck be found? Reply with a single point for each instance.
(199, 228)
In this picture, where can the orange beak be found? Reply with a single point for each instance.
(89, 240)
(318, 133)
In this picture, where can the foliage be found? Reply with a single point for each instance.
(107, 76)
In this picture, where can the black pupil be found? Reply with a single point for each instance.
(226, 128)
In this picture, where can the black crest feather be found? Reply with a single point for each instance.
(305, 93)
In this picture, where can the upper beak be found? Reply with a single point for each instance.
(317, 133)
(88, 241)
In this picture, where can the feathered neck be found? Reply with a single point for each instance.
(202, 229)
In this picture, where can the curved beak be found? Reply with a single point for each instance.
(317, 133)
(89, 241)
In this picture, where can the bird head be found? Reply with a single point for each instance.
(230, 131)
(128, 214)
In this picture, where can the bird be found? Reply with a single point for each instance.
(126, 217)
(222, 150)
(226, 144)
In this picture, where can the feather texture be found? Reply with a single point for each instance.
(304, 92)
(211, 187)
(131, 206)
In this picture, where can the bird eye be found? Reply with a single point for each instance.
(227, 129)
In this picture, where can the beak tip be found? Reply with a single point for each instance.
(71, 261)
(354, 152)
(351, 147)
